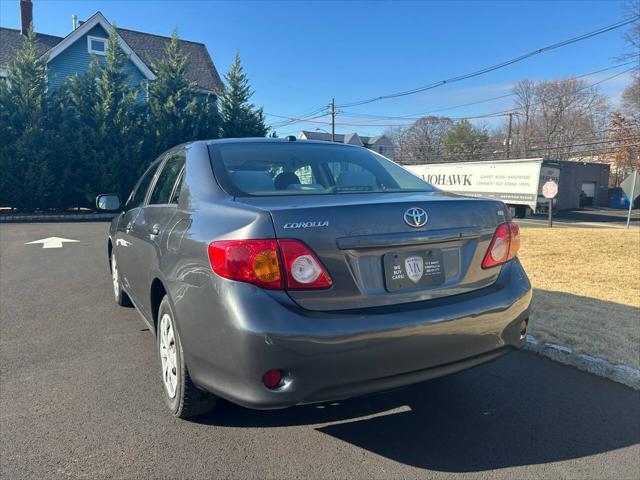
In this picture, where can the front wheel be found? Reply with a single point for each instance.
(182, 396)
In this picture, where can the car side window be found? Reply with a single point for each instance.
(136, 199)
(305, 174)
(163, 188)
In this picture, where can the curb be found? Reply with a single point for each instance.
(62, 217)
(598, 366)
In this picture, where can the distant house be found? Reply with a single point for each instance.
(72, 54)
(380, 144)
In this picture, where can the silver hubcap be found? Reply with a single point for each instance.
(114, 276)
(168, 355)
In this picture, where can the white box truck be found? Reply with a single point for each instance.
(518, 182)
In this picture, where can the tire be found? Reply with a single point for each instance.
(181, 395)
(119, 294)
(521, 212)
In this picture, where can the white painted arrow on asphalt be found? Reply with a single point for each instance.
(51, 242)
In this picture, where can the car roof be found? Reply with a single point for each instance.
(275, 140)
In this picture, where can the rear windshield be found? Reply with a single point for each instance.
(300, 168)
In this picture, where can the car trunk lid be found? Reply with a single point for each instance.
(375, 258)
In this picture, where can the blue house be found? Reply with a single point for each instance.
(66, 56)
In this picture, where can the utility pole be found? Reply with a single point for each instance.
(509, 135)
(333, 119)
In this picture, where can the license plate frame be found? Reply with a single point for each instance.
(402, 269)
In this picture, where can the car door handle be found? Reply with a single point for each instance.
(155, 230)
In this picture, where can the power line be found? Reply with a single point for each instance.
(506, 112)
(311, 114)
(443, 109)
(313, 119)
(472, 117)
(497, 66)
(291, 120)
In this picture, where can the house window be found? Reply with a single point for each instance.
(97, 45)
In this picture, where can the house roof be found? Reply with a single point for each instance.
(309, 135)
(348, 138)
(150, 48)
(11, 39)
(145, 46)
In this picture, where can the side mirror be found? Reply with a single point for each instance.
(108, 202)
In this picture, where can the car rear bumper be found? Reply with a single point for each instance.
(334, 355)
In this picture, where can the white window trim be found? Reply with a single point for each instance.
(98, 19)
(100, 39)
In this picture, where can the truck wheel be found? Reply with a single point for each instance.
(521, 212)
(182, 396)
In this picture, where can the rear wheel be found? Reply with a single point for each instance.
(182, 396)
(119, 294)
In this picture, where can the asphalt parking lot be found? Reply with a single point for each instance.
(80, 396)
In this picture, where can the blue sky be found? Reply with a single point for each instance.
(300, 54)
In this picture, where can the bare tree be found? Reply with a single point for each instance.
(631, 99)
(395, 134)
(556, 116)
(422, 142)
(524, 92)
(632, 36)
(624, 155)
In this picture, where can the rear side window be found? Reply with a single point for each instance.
(167, 180)
(136, 199)
(300, 168)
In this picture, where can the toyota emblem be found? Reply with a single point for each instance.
(415, 217)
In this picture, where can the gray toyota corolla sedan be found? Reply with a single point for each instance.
(282, 272)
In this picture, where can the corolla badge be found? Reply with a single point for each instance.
(415, 217)
(414, 266)
(308, 224)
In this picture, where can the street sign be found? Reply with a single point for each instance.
(550, 189)
(628, 187)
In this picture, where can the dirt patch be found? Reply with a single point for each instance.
(586, 290)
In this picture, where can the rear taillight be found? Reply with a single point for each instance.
(262, 263)
(252, 261)
(303, 270)
(504, 245)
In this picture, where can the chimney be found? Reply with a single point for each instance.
(74, 22)
(26, 16)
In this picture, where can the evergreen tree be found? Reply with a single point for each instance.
(95, 133)
(25, 182)
(464, 142)
(79, 142)
(119, 129)
(239, 117)
(177, 113)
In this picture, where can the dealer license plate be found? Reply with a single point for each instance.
(410, 270)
